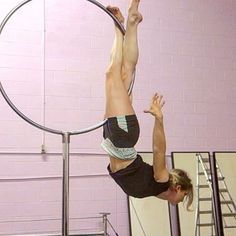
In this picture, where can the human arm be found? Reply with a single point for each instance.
(161, 173)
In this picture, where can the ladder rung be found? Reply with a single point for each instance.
(204, 159)
(202, 173)
(205, 199)
(230, 226)
(205, 224)
(229, 214)
(205, 212)
(223, 190)
(219, 178)
(207, 169)
(226, 202)
(203, 186)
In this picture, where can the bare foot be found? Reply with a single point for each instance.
(134, 4)
(134, 16)
(117, 13)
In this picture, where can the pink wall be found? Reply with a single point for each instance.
(187, 53)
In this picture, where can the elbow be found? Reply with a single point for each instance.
(157, 177)
(161, 176)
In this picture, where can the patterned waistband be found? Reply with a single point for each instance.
(120, 153)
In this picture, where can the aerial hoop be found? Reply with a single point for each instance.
(22, 115)
(65, 135)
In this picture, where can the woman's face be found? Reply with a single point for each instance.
(177, 195)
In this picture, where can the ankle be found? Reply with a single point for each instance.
(134, 18)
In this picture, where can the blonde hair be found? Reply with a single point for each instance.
(180, 177)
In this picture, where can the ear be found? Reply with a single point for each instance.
(178, 188)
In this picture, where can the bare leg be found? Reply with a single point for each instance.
(117, 99)
(119, 38)
(130, 45)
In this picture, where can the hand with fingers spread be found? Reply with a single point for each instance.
(156, 106)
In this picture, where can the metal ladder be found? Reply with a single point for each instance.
(204, 218)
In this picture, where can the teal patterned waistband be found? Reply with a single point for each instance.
(120, 153)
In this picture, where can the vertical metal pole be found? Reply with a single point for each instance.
(216, 198)
(197, 215)
(173, 210)
(65, 187)
(104, 219)
(174, 220)
(105, 224)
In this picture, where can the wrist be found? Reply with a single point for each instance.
(159, 118)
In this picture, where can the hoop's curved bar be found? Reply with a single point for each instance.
(120, 26)
(3, 91)
(24, 117)
(122, 29)
(11, 13)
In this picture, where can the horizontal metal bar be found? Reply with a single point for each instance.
(203, 186)
(229, 214)
(29, 178)
(220, 178)
(205, 199)
(80, 234)
(24, 117)
(210, 199)
(53, 153)
(206, 212)
(205, 160)
(202, 173)
(205, 224)
(223, 190)
(226, 202)
(230, 227)
(48, 219)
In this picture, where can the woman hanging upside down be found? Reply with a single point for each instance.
(121, 131)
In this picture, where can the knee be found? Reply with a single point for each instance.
(127, 71)
(109, 75)
(109, 79)
(113, 80)
(113, 71)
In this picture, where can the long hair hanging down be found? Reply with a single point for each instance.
(180, 177)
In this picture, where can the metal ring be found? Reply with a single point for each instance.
(24, 117)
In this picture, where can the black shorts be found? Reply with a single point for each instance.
(122, 131)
